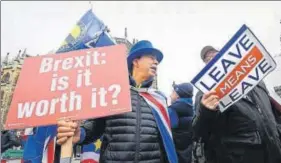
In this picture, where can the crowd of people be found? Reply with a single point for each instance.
(186, 131)
(9, 140)
(249, 131)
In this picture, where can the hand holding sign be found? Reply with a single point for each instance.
(210, 100)
(241, 64)
(68, 129)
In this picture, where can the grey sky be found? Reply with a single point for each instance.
(179, 29)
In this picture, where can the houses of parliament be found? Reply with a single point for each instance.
(10, 71)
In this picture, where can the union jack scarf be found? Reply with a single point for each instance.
(157, 103)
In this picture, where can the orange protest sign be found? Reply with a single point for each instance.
(239, 72)
(78, 85)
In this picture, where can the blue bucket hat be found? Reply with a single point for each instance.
(141, 48)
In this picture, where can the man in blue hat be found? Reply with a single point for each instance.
(138, 136)
(181, 114)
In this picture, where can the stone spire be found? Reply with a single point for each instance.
(23, 53)
(18, 56)
(126, 33)
(6, 60)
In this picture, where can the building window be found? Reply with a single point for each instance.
(6, 78)
(2, 97)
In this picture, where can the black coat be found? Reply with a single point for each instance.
(129, 137)
(246, 131)
(182, 134)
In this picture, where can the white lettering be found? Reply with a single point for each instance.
(91, 58)
(46, 65)
(53, 105)
(42, 108)
(63, 83)
(75, 98)
(25, 110)
(67, 63)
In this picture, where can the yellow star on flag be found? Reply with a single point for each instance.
(97, 145)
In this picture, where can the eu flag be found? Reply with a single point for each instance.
(89, 32)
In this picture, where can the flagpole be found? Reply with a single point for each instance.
(91, 5)
(67, 147)
(66, 150)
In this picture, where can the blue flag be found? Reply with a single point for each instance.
(37, 143)
(91, 152)
(89, 32)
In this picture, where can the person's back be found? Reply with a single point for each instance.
(4, 141)
(182, 109)
(8, 140)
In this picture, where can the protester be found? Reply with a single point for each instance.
(181, 113)
(246, 132)
(93, 35)
(9, 139)
(135, 136)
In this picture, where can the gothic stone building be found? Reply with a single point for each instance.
(10, 69)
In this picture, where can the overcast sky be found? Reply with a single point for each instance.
(179, 29)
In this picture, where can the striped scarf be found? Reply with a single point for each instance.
(157, 103)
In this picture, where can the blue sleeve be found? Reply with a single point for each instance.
(174, 119)
(82, 135)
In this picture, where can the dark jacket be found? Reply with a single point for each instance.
(8, 140)
(129, 137)
(245, 132)
(182, 131)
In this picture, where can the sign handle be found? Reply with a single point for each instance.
(66, 151)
